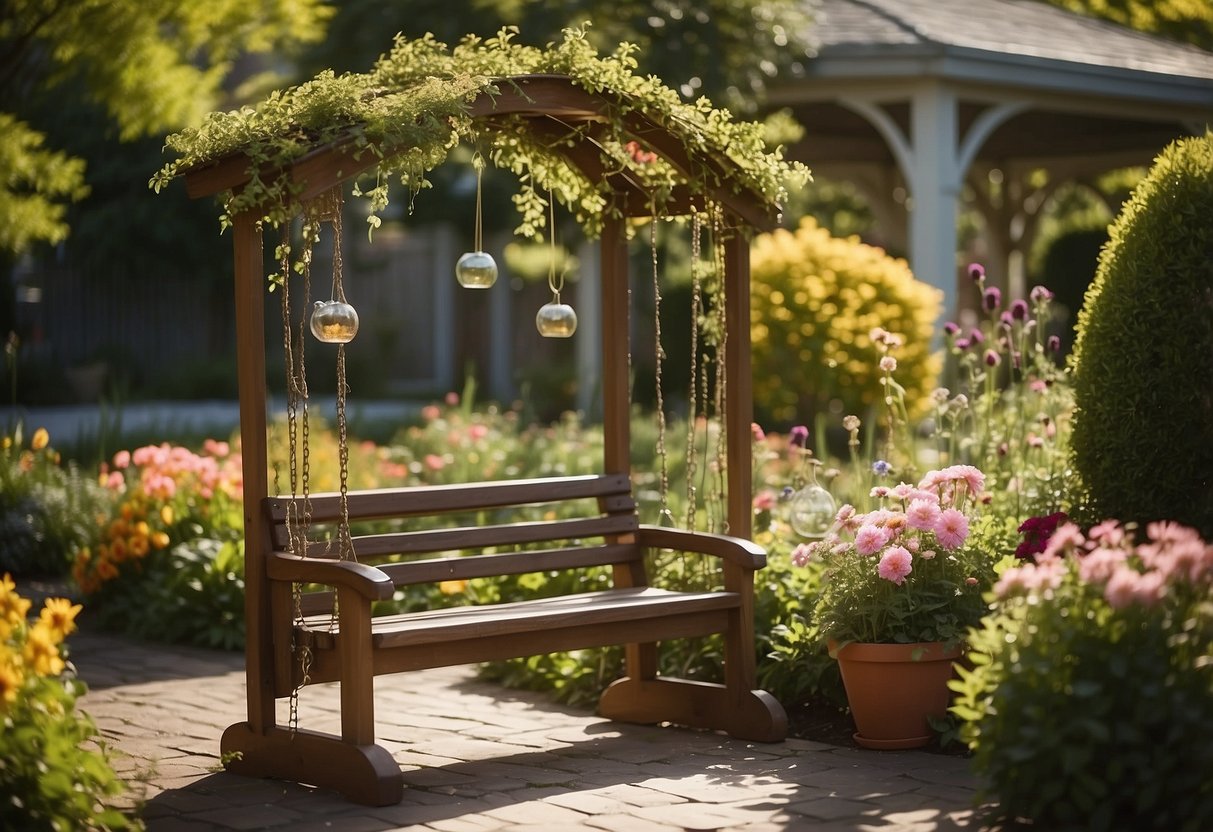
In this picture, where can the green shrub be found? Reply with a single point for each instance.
(1143, 378)
(1088, 696)
(815, 300)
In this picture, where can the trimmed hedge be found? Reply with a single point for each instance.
(1143, 361)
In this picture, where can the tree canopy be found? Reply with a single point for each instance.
(149, 65)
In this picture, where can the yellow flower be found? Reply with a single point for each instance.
(138, 546)
(41, 652)
(166, 515)
(452, 587)
(40, 440)
(159, 539)
(10, 683)
(59, 615)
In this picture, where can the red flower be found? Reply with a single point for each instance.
(1036, 532)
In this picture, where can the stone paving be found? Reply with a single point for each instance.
(479, 757)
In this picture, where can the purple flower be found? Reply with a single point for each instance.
(992, 298)
(799, 437)
(1019, 309)
(977, 272)
(1006, 320)
(992, 358)
(962, 343)
(1039, 294)
(1054, 343)
(951, 328)
(880, 467)
(976, 337)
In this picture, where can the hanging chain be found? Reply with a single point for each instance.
(667, 518)
(720, 308)
(556, 284)
(693, 393)
(478, 164)
(345, 549)
(296, 525)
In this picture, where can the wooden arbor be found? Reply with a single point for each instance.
(566, 117)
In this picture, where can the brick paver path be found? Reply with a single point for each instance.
(479, 757)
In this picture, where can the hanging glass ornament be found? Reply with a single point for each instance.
(812, 508)
(477, 269)
(555, 319)
(334, 321)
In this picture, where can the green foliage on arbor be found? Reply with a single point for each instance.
(410, 111)
(1143, 379)
(151, 67)
(815, 300)
(725, 49)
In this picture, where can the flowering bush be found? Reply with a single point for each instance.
(170, 564)
(1090, 696)
(903, 573)
(47, 508)
(49, 780)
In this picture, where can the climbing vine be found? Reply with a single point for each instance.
(411, 110)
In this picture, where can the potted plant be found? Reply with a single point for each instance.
(901, 586)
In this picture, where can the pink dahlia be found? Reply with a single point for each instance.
(952, 529)
(895, 564)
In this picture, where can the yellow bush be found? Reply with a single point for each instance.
(815, 300)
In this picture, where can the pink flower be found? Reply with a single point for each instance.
(764, 500)
(476, 432)
(870, 539)
(1067, 535)
(122, 459)
(895, 564)
(430, 412)
(452, 399)
(802, 554)
(888, 363)
(434, 462)
(1099, 565)
(952, 529)
(923, 515)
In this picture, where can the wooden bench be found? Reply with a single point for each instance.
(434, 540)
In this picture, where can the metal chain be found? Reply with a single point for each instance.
(658, 359)
(721, 462)
(693, 394)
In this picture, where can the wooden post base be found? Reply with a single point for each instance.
(365, 774)
(756, 715)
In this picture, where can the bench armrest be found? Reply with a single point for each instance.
(367, 581)
(745, 553)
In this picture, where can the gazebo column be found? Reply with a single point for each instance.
(934, 177)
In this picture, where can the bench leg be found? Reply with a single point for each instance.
(364, 774)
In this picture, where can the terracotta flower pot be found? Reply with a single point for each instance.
(893, 689)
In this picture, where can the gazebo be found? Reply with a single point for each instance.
(912, 99)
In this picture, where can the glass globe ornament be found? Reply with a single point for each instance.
(476, 270)
(812, 509)
(556, 319)
(334, 321)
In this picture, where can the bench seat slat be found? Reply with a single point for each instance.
(589, 608)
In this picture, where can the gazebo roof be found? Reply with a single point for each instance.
(954, 38)
(909, 96)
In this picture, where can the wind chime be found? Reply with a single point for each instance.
(332, 321)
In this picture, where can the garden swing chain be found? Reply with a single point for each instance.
(693, 393)
(297, 523)
(717, 492)
(667, 517)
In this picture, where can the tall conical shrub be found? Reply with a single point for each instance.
(1143, 361)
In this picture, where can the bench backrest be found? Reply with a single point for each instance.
(456, 532)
